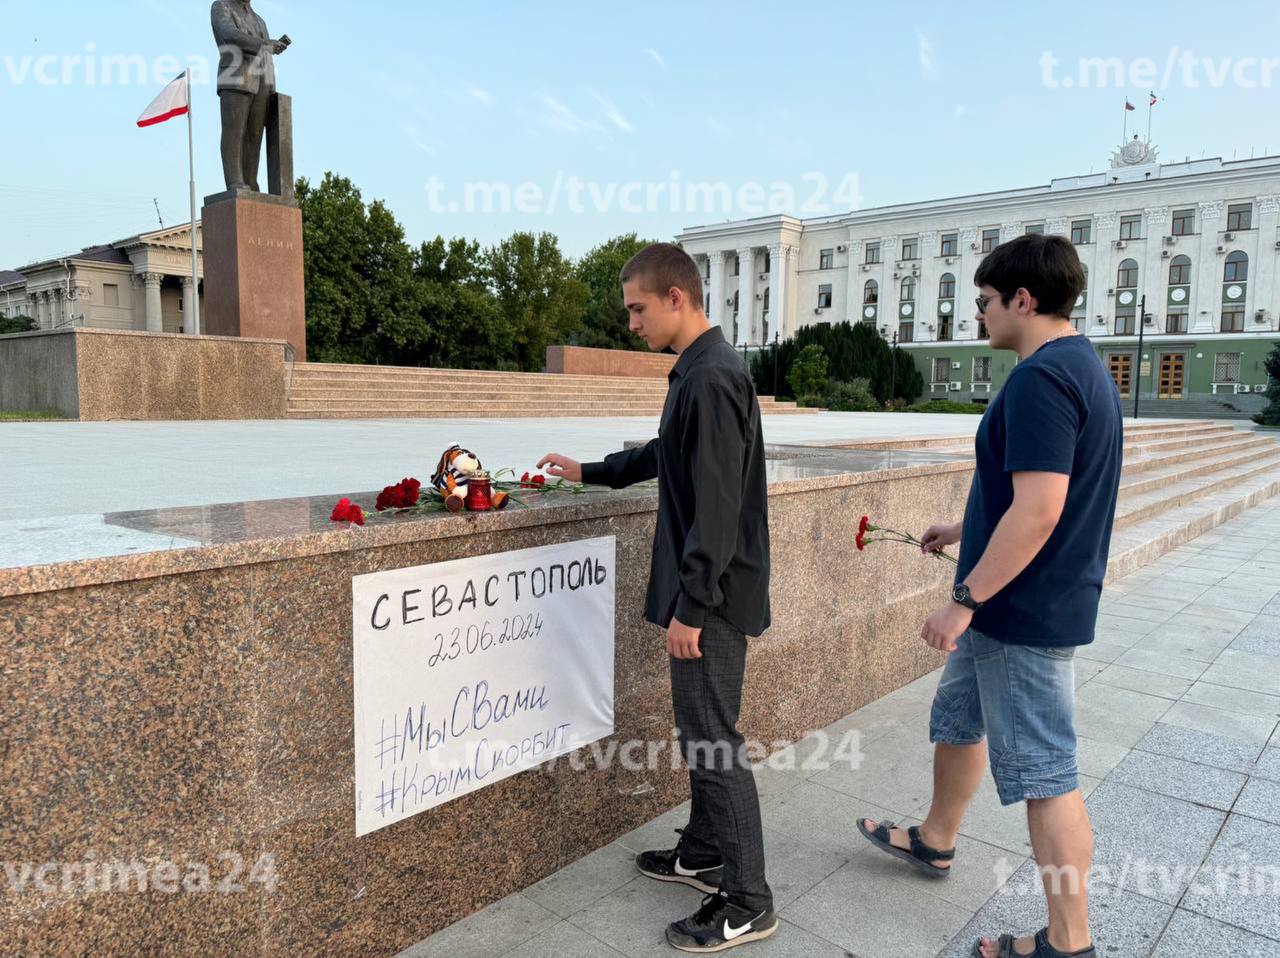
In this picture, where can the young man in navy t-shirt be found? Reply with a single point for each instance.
(1033, 554)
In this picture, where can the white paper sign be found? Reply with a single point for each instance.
(467, 672)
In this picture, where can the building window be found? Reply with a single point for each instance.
(707, 309)
(982, 329)
(944, 329)
(1131, 227)
(906, 332)
(1236, 269)
(911, 248)
(909, 289)
(826, 259)
(949, 244)
(942, 370)
(1081, 232)
(982, 369)
(824, 296)
(990, 240)
(1226, 368)
(1126, 323)
(873, 253)
(947, 286)
(768, 260)
(1176, 321)
(1233, 319)
(706, 270)
(1180, 271)
(737, 265)
(766, 301)
(1036, 228)
(871, 293)
(1078, 308)
(1184, 222)
(735, 303)
(1239, 216)
(1127, 275)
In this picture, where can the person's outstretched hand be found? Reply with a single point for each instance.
(561, 467)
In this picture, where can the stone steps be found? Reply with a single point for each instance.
(344, 391)
(1182, 490)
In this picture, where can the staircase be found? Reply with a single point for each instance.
(1179, 480)
(337, 391)
(1241, 407)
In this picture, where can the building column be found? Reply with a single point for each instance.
(33, 307)
(715, 286)
(1262, 289)
(155, 315)
(854, 283)
(966, 292)
(59, 303)
(746, 294)
(1104, 276)
(890, 288)
(78, 308)
(1155, 284)
(927, 287)
(188, 291)
(779, 256)
(1206, 294)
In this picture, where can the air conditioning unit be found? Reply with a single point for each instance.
(728, 302)
(1277, 244)
(1101, 320)
(950, 260)
(930, 326)
(981, 387)
(759, 296)
(764, 275)
(1241, 388)
(1118, 244)
(884, 330)
(956, 387)
(1260, 316)
(896, 275)
(1228, 237)
(1259, 389)
(1170, 240)
(955, 365)
(1165, 254)
(1111, 292)
(973, 246)
(865, 267)
(1222, 249)
(964, 324)
(915, 270)
(817, 310)
(840, 249)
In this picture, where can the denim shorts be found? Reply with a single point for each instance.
(1022, 699)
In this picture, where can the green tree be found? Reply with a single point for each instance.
(465, 329)
(854, 351)
(539, 296)
(1271, 415)
(605, 320)
(808, 375)
(362, 301)
(17, 324)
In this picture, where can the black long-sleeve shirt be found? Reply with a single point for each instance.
(711, 546)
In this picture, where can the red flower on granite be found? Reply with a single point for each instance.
(400, 496)
(347, 511)
(532, 482)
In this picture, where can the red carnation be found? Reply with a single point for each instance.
(347, 511)
(864, 525)
(400, 496)
(532, 482)
(539, 480)
(859, 541)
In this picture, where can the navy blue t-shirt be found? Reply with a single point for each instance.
(1059, 411)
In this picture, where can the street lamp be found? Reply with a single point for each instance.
(893, 369)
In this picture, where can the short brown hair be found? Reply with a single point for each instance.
(660, 266)
(1047, 267)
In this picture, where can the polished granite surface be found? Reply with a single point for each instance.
(44, 553)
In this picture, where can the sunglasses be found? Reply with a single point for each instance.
(982, 302)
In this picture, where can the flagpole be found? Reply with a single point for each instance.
(1150, 107)
(191, 165)
(1124, 137)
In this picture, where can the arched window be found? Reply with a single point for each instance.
(871, 292)
(909, 289)
(1127, 274)
(1237, 268)
(1180, 271)
(947, 286)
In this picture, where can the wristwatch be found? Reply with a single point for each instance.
(961, 596)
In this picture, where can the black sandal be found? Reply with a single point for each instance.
(1043, 948)
(920, 855)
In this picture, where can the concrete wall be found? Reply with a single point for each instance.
(580, 361)
(95, 374)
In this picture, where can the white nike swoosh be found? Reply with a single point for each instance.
(731, 933)
(688, 872)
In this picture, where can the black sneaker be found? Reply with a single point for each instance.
(720, 925)
(666, 866)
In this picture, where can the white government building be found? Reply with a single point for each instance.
(140, 282)
(1198, 238)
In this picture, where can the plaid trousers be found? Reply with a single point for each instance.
(725, 819)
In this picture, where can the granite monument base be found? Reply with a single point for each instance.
(253, 275)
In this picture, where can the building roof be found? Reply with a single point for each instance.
(10, 278)
(117, 252)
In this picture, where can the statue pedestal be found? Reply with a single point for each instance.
(253, 277)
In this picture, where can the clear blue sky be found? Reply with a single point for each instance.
(917, 102)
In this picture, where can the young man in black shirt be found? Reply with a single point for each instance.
(708, 588)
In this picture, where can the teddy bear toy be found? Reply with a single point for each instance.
(457, 468)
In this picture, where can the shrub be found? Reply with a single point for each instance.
(947, 406)
(808, 374)
(851, 396)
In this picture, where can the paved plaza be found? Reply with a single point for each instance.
(1177, 709)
